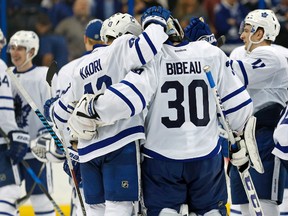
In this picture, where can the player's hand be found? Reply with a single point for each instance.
(19, 141)
(199, 30)
(240, 157)
(157, 15)
(84, 120)
(76, 167)
(48, 106)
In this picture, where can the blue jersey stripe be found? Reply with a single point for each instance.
(124, 98)
(156, 155)
(111, 140)
(282, 148)
(136, 91)
(150, 43)
(138, 50)
(6, 97)
(236, 92)
(246, 82)
(64, 107)
(7, 108)
(238, 107)
(59, 118)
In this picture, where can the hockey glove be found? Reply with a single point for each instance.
(48, 106)
(240, 157)
(157, 15)
(75, 164)
(198, 30)
(84, 120)
(19, 141)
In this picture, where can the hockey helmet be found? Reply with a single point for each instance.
(118, 25)
(27, 39)
(265, 19)
(2, 40)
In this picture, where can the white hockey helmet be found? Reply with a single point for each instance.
(2, 40)
(27, 39)
(118, 25)
(265, 19)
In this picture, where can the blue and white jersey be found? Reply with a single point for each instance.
(281, 137)
(240, 52)
(181, 122)
(7, 115)
(98, 70)
(264, 72)
(34, 82)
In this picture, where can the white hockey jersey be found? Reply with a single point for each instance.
(181, 122)
(7, 114)
(97, 71)
(281, 137)
(265, 74)
(34, 82)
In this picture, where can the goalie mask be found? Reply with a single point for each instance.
(174, 30)
(44, 149)
(118, 25)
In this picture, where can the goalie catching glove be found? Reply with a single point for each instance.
(248, 150)
(84, 120)
(45, 150)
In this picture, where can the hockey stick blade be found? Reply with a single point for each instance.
(221, 41)
(51, 72)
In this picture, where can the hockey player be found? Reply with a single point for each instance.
(240, 53)
(108, 161)
(10, 179)
(182, 164)
(23, 47)
(264, 73)
(61, 82)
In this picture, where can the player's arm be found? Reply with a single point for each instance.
(236, 100)
(137, 51)
(119, 101)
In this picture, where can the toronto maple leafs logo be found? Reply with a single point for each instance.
(21, 112)
(264, 14)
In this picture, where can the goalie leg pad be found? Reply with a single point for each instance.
(251, 145)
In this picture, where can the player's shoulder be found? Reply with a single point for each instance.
(238, 53)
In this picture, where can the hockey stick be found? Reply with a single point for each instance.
(50, 130)
(51, 71)
(35, 178)
(243, 170)
(23, 199)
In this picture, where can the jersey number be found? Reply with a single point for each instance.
(100, 81)
(177, 104)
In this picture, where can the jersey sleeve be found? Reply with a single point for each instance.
(133, 52)
(281, 137)
(129, 97)
(234, 97)
(7, 114)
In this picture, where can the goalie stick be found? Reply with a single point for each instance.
(58, 142)
(243, 170)
(35, 178)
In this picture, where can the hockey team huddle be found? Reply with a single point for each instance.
(148, 121)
